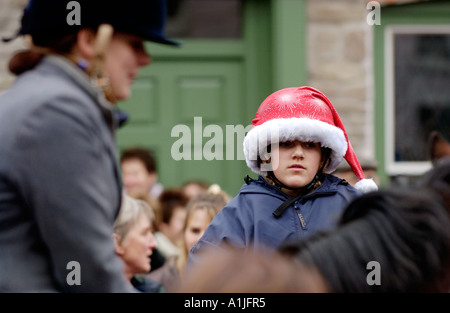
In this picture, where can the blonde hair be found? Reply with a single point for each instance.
(212, 202)
(130, 211)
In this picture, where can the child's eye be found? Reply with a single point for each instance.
(309, 144)
(195, 230)
(286, 144)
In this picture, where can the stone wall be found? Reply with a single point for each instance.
(340, 65)
(10, 14)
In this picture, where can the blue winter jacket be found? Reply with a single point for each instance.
(247, 220)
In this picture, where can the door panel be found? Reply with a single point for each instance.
(171, 93)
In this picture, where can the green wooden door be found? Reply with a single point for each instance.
(217, 83)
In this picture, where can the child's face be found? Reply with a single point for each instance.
(196, 225)
(295, 162)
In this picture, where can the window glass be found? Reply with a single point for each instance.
(421, 99)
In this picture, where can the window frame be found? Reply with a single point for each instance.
(417, 15)
(394, 167)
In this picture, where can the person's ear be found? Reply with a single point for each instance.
(86, 43)
(117, 247)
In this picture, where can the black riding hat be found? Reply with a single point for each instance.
(143, 18)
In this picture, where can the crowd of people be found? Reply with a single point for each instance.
(296, 226)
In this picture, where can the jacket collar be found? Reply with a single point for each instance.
(112, 115)
(329, 186)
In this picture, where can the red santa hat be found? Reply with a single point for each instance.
(304, 114)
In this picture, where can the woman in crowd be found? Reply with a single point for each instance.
(134, 242)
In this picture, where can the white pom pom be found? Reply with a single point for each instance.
(366, 185)
(214, 189)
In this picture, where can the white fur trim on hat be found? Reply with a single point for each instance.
(289, 129)
(366, 185)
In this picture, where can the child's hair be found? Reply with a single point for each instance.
(192, 187)
(169, 200)
(211, 202)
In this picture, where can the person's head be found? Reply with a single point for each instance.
(439, 147)
(438, 180)
(296, 136)
(105, 38)
(133, 237)
(139, 172)
(172, 214)
(192, 188)
(200, 211)
(235, 271)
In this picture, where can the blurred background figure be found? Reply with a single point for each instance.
(134, 242)
(139, 173)
(233, 271)
(437, 179)
(439, 147)
(200, 211)
(405, 232)
(369, 167)
(170, 220)
(192, 188)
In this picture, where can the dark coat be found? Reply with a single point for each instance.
(60, 188)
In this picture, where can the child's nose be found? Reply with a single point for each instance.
(298, 150)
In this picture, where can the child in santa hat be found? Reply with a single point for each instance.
(297, 139)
